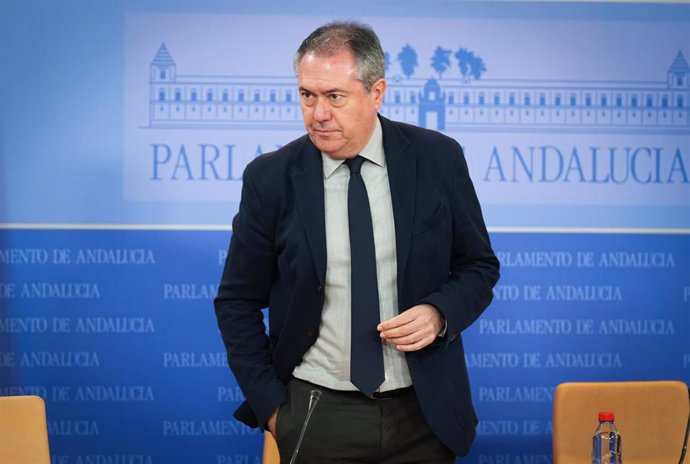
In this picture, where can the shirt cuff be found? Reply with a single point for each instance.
(443, 331)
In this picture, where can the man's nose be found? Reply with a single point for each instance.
(322, 110)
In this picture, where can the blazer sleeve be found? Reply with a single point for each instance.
(474, 268)
(243, 291)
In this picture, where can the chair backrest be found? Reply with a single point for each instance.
(271, 455)
(650, 416)
(23, 430)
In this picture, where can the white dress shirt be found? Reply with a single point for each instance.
(327, 362)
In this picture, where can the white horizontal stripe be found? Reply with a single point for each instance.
(56, 226)
(224, 227)
(650, 2)
(590, 230)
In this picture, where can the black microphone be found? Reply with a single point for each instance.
(314, 397)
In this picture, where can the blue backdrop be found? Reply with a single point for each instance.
(124, 130)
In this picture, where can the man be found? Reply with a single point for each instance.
(365, 240)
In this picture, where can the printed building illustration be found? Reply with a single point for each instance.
(444, 104)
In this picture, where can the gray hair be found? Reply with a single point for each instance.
(360, 39)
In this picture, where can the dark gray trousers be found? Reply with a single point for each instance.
(347, 427)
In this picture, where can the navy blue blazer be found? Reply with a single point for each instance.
(277, 259)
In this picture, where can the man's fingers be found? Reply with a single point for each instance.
(271, 426)
(411, 341)
(406, 323)
(400, 331)
(418, 314)
(412, 330)
(403, 338)
(418, 345)
(397, 321)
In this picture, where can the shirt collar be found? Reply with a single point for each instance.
(373, 151)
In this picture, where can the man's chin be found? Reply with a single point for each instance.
(326, 145)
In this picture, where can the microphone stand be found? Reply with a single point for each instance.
(314, 397)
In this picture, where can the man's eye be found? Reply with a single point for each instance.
(336, 99)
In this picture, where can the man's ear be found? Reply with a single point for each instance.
(377, 91)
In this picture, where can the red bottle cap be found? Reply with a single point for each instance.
(605, 417)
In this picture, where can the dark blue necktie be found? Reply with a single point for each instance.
(366, 355)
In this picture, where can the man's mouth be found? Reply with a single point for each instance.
(324, 132)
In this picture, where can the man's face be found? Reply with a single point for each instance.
(339, 114)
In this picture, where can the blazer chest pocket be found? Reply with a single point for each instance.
(430, 222)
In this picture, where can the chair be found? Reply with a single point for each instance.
(652, 418)
(23, 430)
(271, 455)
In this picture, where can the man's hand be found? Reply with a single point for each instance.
(271, 425)
(414, 329)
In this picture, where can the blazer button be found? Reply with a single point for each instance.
(311, 331)
(319, 289)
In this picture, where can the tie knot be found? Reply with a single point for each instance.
(355, 164)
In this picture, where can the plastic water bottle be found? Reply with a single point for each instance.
(606, 442)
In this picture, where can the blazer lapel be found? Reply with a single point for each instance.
(307, 183)
(402, 175)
